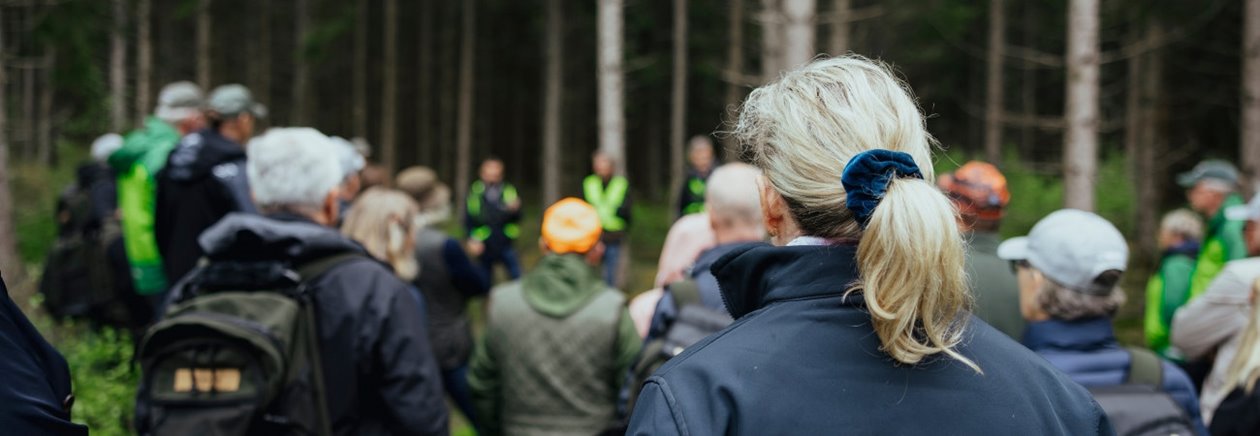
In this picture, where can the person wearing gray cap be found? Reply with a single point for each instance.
(1207, 331)
(1069, 269)
(137, 163)
(1210, 188)
(205, 179)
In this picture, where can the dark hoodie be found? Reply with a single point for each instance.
(379, 369)
(204, 179)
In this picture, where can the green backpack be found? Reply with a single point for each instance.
(237, 354)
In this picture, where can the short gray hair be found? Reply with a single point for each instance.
(1065, 304)
(293, 167)
(732, 194)
(1184, 223)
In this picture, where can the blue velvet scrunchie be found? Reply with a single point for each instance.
(866, 178)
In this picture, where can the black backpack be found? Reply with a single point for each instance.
(77, 281)
(695, 322)
(1139, 407)
(236, 354)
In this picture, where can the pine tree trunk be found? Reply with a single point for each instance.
(46, 146)
(1249, 137)
(117, 68)
(203, 44)
(449, 90)
(798, 33)
(994, 88)
(424, 113)
(735, 68)
(10, 266)
(838, 41)
(144, 59)
(263, 75)
(771, 40)
(301, 96)
(1080, 142)
(389, 97)
(678, 101)
(1153, 143)
(1029, 85)
(612, 118)
(553, 93)
(359, 70)
(467, 74)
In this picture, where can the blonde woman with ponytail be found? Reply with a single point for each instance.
(1239, 413)
(855, 319)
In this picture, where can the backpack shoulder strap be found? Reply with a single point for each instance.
(1145, 368)
(685, 292)
(318, 267)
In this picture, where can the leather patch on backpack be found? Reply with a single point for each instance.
(207, 379)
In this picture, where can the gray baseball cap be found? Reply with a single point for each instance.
(233, 99)
(1072, 248)
(1214, 169)
(179, 100)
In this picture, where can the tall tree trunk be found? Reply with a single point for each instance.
(117, 68)
(10, 266)
(28, 111)
(46, 145)
(263, 75)
(771, 40)
(1134, 113)
(389, 97)
(360, 69)
(1029, 85)
(612, 117)
(678, 101)
(838, 41)
(1153, 143)
(994, 98)
(1080, 142)
(735, 69)
(203, 43)
(1249, 137)
(798, 33)
(144, 58)
(301, 93)
(450, 90)
(424, 115)
(463, 141)
(553, 77)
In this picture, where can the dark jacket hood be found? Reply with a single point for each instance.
(561, 284)
(755, 275)
(247, 237)
(199, 153)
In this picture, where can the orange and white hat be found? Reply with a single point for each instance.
(571, 226)
(978, 188)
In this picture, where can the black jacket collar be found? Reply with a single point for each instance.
(248, 237)
(754, 276)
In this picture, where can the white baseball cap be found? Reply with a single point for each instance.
(1072, 248)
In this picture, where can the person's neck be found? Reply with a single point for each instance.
(231, 134)
(732, 235)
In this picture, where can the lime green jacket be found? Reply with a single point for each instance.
(1168, 290)
(137, 163)
(1223, 243)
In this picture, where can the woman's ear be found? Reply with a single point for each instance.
(332, 207)
(773, 208)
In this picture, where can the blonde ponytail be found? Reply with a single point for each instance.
(801, 131)
(911, 265)
(1244, 370)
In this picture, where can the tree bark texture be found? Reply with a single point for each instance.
(1080, 142)
(798, 33)
(771, 40)
(678, 101)
(467, 72)
(117, 68)
(612, 118)
(553, 94)
(1249, 137)
(389, 97)
(838, 39)
(144, 59)
(994, 98)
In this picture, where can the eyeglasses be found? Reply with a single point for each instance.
(1017, 264)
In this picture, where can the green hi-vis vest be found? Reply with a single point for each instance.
(607, 201)
(697, 187)
(506, 196)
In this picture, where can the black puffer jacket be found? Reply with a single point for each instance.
(378, 366)
(204, 180)
(802, 358)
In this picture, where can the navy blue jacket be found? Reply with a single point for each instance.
(34, 378)
(1088, 352)
(802, 358)
(710, 295)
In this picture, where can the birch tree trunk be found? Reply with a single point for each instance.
(994, 88)
(467, 72)
(771, 40)
(203, 44)
(10, 266)
(1249, 137)
(301, 95)
(1080, 141)
(838, 40)
(389, 97)
(553, 77)
(735, 71)
(144, 59)
(798, 33)
(612, 119)
(678, 101)
(359, 71)
(117, 68)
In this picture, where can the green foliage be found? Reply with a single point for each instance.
(35, 188)
(104, 380)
